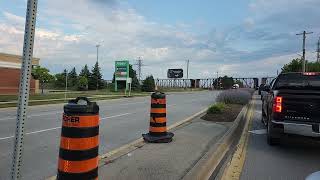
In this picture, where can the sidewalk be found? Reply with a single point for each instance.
(167, 161)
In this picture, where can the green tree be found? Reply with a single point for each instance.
(313, 66)
(135, 82)
(85, 72)
(83, 83)
(43, 75)
(148, 84)
(95, 78)
(60, 79)
(226, 82)
(73, 77)
(294, 66)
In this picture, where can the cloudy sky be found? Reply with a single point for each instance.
(240, 38)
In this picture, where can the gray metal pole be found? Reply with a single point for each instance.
(304, 52)
(318, 50)
(97, 62)
(304, 49)
(24, 87)
(66, 89)
(187, 69)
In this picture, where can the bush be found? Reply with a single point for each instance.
(216, 108)
(148, 84)
(235, 96)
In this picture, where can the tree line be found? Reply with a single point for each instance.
(87, 80)
(296, 66)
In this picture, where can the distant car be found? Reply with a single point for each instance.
(235, 86)
(292, 106)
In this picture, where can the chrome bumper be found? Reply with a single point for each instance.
(297, 128)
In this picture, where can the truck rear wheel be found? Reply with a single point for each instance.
(271, 140)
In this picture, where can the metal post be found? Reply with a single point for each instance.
(188, 69)
(304, 49)
(24, 87)
(97, 62)
(304, 52)
(318, 51)
(66, 89)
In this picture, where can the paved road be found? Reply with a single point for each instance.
(294, 159)
(122, 121)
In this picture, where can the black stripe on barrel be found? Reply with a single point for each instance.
(158, 105)
(93, 174)
(73, 155)
(73, 132)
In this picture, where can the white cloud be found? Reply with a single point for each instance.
(14, 18)
(68, 32)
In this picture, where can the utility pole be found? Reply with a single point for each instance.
(66, 88)
(139, 64)
(304, 49)
(24, 87)
(98, 45)
(318, 51)
(188, 61)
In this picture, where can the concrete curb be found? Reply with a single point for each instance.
(211, 161)
(125, 149)
(234, 168)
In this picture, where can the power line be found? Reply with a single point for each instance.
(304, 49)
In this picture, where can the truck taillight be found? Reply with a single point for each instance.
(277, 105)
(311, 73)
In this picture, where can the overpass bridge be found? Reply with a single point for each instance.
(207, 83)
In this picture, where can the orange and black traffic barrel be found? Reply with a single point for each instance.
(79, 144)
(158, 120)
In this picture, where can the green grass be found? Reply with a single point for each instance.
(61, 95)
(63, 101)
(216, 108)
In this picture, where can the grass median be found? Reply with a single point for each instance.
(56, 98)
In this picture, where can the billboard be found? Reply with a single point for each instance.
(175, 73)
(121, 70)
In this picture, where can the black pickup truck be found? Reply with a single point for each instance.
(292, 106)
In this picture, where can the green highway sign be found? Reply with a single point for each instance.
(121, 73)
(122, 70)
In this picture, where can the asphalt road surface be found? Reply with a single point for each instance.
(294, 159)
(122, 121)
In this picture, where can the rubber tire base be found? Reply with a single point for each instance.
(158, 139)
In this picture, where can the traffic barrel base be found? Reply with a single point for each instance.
(158, 121)
(158, 139)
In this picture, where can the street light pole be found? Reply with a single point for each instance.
(24, 87)
(188, 61)
(98, 45)
(66, 88)
(304, 49)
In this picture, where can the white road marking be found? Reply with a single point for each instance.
(59, 112)
(259, 131)
(119, 115)
(34, 115)
(9, 137)
(44, 130)
(50, 129)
